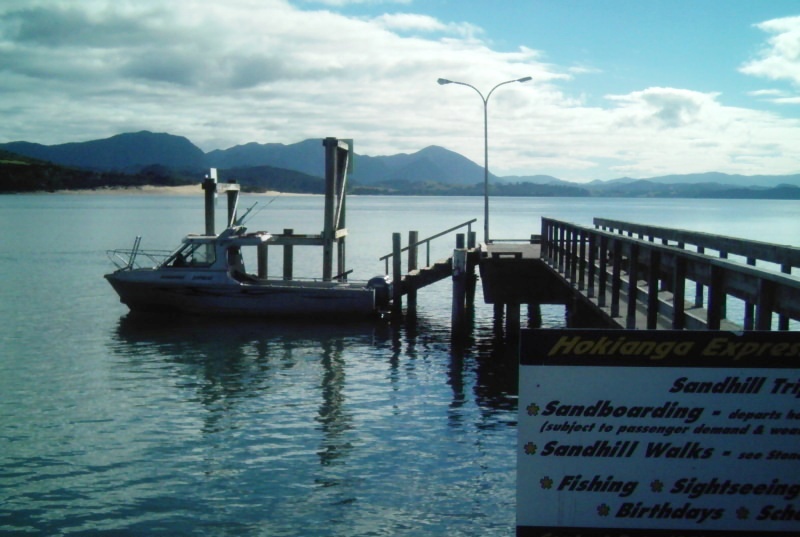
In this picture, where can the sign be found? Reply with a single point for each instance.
(681, 432)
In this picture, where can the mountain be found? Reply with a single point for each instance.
(433, 163)
(430, 164)
(263, 178)
(307, 157)
(129, 152)
(432, 170)
(19, 173)
(536, 180)
(724, 178)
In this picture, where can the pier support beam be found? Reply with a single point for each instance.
(413, 238)
(263, 257)
(397, 273)
(460, 277)
(512, 320)
(534, 315)
(288, 256)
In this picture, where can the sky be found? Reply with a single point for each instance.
(619, 88)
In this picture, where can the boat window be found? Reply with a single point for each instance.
(193, 255)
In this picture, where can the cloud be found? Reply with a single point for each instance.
(230, 73)
(410, 22)
(663, 107)
(342, 3)
(780, 58)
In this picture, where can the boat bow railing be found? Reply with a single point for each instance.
(134, 258)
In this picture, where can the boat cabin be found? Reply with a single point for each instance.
(222, 252)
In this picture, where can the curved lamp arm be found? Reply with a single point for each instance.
(442, 82)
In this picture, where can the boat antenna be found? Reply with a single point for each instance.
(241, 219)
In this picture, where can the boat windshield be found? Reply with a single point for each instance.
(192, 254)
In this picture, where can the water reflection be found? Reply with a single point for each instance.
(297, 419)
(235, 358)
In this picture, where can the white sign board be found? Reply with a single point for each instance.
(635, 431)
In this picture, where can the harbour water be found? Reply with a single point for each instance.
(117, 425)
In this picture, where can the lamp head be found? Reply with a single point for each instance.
(524, 79)
(443, 81)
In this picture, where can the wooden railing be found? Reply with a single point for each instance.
(608, 266)
(787, 257)
(414, 244)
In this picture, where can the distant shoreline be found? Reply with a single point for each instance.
(182, 190)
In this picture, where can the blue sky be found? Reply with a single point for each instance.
(627, 45)
(619, 87)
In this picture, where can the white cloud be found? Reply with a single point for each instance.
(411, 22)
(780, 59)
(342, 3)
(766, 93)
(662, 107)
(230, 73)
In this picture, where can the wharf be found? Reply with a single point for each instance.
(623, 275)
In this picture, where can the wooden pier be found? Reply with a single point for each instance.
(619, 275)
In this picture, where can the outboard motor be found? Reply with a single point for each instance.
(383, 290)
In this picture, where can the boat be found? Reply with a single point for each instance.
(206, 275)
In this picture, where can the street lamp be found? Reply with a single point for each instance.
(443, 81)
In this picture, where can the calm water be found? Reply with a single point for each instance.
(112, 425)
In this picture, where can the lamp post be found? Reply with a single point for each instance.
(443, 81)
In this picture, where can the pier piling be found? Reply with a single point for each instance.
(413, 252)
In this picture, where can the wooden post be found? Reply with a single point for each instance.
(678, 292)
(340, 259)
(328, 232)
(783, 320)
(288, 256)
(340, 221)
(716, 298)
(698, 293)
(592, 267)
(210, 187)
(534, 315)
(633, 277)
(616, 280)
(263, 250)
(413, 238)
(602, 274)
(572, 258)
(652, 289)
(499, 312)
(512, 320)
(749, 307)
(459, 289)
(766, 299)
(397, 273)
(581, 260)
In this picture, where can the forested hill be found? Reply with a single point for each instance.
(147, 158)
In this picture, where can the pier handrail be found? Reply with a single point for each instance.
(785, 256)
(427, 243)
(590, 257)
